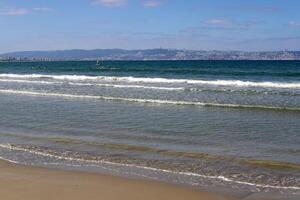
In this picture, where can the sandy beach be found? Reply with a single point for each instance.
(33, 183)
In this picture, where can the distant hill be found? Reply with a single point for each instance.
(148, 54)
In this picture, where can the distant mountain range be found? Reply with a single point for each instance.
(148, 54)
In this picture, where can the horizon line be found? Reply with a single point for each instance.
(171, 49)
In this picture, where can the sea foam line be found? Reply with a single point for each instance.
(234, 83)
(94, 84)
(29, 81)
(8, 160)
(188, 89)
(152, 101)
(128, 86)
(223, 178)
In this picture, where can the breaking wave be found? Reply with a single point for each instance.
(152, 101)
(234, 83)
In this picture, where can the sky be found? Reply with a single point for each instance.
(256, 25)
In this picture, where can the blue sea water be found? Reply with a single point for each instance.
(226, 124)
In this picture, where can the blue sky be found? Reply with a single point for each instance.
(140, 24)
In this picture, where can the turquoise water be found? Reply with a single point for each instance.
(226, 124)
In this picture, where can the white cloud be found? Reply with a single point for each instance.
(14, 11)
(294, 24)
(152, 3)
(220, 24)
(217, 22)
(110, 3)
(226, 24)
(43, 9)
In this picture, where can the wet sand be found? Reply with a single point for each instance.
(34, 183)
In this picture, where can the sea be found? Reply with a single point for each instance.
(229, 126)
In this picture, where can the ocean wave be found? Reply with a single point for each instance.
(95, 84)
(233, 83)
(29, 81)
(183, 89)
(98, 162)
(151, 101)
(130, 86)
(59, 77)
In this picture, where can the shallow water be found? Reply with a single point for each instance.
(231, 124)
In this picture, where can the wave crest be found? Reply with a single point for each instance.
(233, 83)
(152, 101)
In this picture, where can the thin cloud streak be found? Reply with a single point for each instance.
(152, 3)
(294, 24)
(110, 3)
(221, 24)
(272, 39)
(251, 8)
(43, 9)
(23, 11)
(14, 11)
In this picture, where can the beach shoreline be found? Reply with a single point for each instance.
(195, 124)
(28, 182)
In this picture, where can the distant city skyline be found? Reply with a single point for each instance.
(257, 25)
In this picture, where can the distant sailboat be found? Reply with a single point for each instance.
(98, 63)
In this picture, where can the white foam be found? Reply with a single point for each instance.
(223, 178)
(153, 101)
(131, 86)
(59, 77)
(233, 83)
(8, 160)
(28, 81)
(94, 84)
